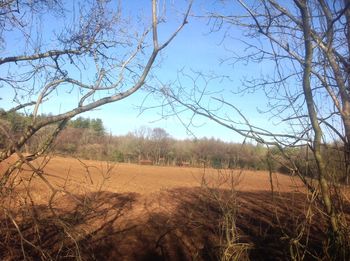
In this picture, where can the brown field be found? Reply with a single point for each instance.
(139, 212)
(124, 177)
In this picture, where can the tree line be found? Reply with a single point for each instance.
(87, 138)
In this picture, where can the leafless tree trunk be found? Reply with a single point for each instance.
(308, 43)
(110, 74)
(329, 205)
(92, 50)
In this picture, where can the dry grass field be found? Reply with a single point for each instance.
(133, 212)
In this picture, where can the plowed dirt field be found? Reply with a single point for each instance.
(135, 212)
(144, 179)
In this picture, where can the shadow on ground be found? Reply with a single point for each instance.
(177, 224)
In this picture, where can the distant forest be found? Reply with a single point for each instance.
(86, 138)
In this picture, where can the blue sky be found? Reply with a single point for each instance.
(193, 49)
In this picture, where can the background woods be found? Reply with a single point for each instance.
(86, 138)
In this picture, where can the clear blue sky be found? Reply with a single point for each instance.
(194, 48)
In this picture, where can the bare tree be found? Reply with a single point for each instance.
(96, 40)
(160, 144)
(52, 50)
(307, 44)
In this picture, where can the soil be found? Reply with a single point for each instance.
(138, 212)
